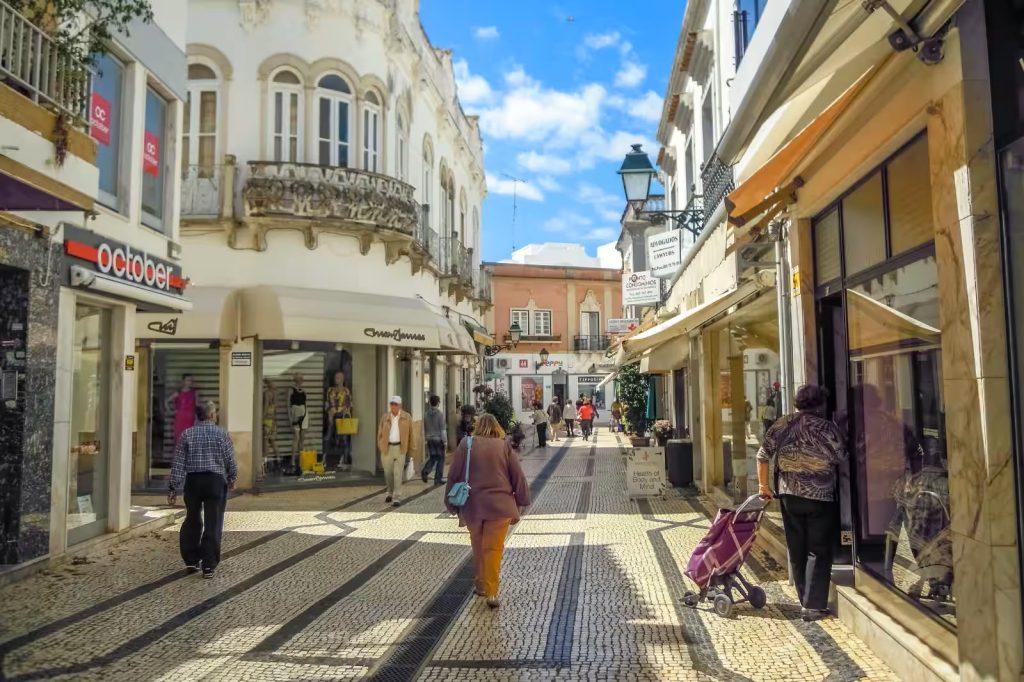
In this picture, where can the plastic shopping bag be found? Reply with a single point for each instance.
(410, 470)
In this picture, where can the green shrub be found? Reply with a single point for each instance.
(499, 405)
(632, 393)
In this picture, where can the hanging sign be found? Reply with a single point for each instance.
(151, 154)
(640, 288)
(622, 325)
(119, 260)
(99, 119)
(664, 252)
(241, 359)
(645, 472)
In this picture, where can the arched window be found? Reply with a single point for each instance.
(447, 203)
(427, 190)
(286, 110)
(475, 237)
(199, 132)
(462, 219)
(401, 148)
(450, 201)
(372, 133)
(334, 120)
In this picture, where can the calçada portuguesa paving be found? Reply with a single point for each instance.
(353, 589)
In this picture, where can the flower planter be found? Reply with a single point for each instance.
(639, 441)
(662, 442)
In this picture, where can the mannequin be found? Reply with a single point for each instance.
(183, 403)
(299, 418)
(339, 405)
(269, 424)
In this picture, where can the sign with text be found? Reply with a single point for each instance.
(664, 251)
(121, 261)
(640, 288)
(523, 364)
(99, 119)
(241, 359)
(622, 325)
(584, 380)
(151, 154)
(645, 472)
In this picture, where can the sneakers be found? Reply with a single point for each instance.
(424, 477)
(192, 568)
(388, 499)
(493, 603)
(810, 615)
(396, 503)
(207, 572)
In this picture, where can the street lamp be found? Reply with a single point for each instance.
(544, 355)
(637, 173)
(515, 333)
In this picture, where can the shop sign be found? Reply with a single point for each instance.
(170, 327)
(396, 335)
(524, 364)
(796, 282)
(645, 472)
(640, 288)
(99, 119)
(241, 359)
(664, 252)
(622, 325)
(590, 380)
(151, 154)
(129, 363)
(121, 261)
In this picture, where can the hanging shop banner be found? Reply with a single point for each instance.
(99, 119)
(640, 288)
(664, 251)
(622, 325)
(645, 472)
(151, 154)
(119, 260)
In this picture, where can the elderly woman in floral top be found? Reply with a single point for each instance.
(807, 450)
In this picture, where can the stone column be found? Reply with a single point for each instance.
(121, 417)
(238, 408)
(739, 419)
(711, 427)
(974, 366)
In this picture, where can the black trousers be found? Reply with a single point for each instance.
(205, 497)
(587, 427)
(435, 460)
(810, 534)
(542, 435)
(569, 424)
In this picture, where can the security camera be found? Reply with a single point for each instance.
(930, 52)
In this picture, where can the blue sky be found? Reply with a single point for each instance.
(560, 102)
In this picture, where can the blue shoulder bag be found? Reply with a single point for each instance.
(459, 494)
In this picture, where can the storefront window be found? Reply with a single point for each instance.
(105, 125)
(153, 151)
(864, 225)
(532, 391)
(88, 463)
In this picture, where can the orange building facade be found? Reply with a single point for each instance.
(561, 310)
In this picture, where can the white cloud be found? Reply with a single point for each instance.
(647, 108)
(609, 256)
(549, 183)
(543, 163)
(610, 214)
(486, 32)
(601, 234)
(599, 145)
(630, 75)
(472, 89)
(567, 222)
(599, 41)
(508, 187)
(529, 111)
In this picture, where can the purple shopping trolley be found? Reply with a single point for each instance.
(715, 563)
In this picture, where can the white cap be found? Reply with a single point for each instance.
(396, 400)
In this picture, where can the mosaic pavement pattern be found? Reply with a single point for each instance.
(335, 585)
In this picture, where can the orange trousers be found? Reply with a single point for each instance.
(488, 540)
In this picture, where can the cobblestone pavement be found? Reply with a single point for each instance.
(332, 584)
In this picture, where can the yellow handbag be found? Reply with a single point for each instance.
(307, 460)
(346, 426)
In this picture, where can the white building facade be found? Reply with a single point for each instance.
(331, 222)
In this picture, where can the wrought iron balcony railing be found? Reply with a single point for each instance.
(32, 63)
(482, 285)
(305, 190)
(591, 343)
(202, 191)
(717, 181)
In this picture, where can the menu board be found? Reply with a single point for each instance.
(645, 472)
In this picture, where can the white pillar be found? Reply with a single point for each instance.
(122, 417)
(62, 422)
(239, 404)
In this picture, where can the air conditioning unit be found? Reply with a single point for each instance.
(762, 358)
(503, 363)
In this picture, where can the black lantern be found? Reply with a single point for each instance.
(637, 173)
(515, 332)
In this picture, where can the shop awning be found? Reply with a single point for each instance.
(607, 380)
(773, 181)
(214, 315)
(690, 320)
(455, 340)
(666, 357)
(479, 334)
(297, 314)
(876, 328)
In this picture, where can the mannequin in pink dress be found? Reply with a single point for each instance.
(183, 403)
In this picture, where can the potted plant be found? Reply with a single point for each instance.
(633, 394)
(662, 431)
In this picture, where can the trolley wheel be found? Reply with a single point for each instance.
(758, 598)
(691, 599)
(723, 605)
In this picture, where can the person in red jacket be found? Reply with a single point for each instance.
(586, 417)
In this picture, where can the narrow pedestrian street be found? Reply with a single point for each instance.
(591, 589)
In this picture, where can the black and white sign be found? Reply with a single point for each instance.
(622, 325)
(645, 472)
(241, 359)
(640, 288)
(122, 261)
(664, 251)
(585, 380)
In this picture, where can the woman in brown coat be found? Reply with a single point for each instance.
(498, 493)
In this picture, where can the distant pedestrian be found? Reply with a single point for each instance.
(616, 416)
(554, 418)
(465, 426)
(498, 494)
(435, 430)
(204, 462)
(768, 416)
(393, 436)
(569, 415)
(586, 416)
(540, 421)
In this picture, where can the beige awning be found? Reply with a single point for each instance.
(666, 357)
(686, 322)
(455, 341)
(875, 326)
(297, 314)
(214, 315)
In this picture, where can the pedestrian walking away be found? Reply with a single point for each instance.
(498, 494)
(569, 417)
(466, 421)
(586, 416)
(554, 418)
(616, 416)
(540, 421)
(436, 433)
(393, 436)
(768, 416)
(204, 465)
(807, 450)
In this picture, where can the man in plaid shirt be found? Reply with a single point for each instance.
(204, 461)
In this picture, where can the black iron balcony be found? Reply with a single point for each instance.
(591, 343)
(717, 181)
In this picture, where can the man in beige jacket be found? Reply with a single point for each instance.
(393, 438)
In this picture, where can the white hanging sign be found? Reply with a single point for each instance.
(664, 251)
(640, 288)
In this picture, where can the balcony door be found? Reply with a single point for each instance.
(590, 330)
(335, 121)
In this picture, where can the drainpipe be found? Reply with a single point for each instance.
(785, 345)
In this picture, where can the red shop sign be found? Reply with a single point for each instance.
(151, 154)
(99, 119)
(524, 363)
